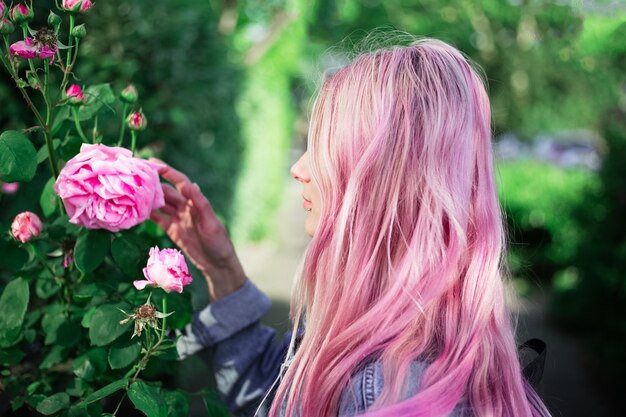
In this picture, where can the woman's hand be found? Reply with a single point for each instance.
(189, 220)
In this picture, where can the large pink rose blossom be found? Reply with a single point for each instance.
(107, 188)
(77, 6)
(166, 269)
(28, 49)
(26, 226)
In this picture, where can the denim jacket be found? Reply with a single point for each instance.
(247, 361)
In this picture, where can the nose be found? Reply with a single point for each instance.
(300, 170)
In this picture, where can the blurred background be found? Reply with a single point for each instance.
(226, 86)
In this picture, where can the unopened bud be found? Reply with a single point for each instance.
(22, 14)
(129, 94)
(32, 80)
(75, 95)
(79, 31)
(137, 121)
(54, 20)
(3, 8)
(6, 27)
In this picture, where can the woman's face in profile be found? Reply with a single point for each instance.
(310, 193)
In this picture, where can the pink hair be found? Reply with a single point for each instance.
(407, 261)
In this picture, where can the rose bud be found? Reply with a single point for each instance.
(6, 27)
(22, 14)
(3, 8)
(137, 121)
(10, 187)
(129, 94)
(166, 269)
(54, 20)
(79, 31)
(76, 6)
(75, 95)
(104, 187)
(26, 226)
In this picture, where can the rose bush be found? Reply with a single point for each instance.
(70, 268)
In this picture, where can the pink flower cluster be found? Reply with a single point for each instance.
(166, 269)
(107, 188)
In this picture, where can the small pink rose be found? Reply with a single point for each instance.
(166, 269)
(104, 187)
(26, 226)
(10, 187)
(75, 94)
(28, 49)
(77, 6)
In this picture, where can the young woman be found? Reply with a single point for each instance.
(399, 309)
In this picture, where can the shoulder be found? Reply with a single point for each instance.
(367, 383)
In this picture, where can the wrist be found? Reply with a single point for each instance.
(225, 278)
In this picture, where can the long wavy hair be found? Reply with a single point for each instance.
(407, 262)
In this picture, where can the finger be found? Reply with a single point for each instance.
(173, 197)
(198, 200)
(175, 177)
(170, 211)
(161, 219)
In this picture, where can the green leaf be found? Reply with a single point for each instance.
(147, 399)
(54, 403)
(52, 320)
(127, 255)
(86, 320)
(18, 158)
(13, 304)
(106, 391)
(97, 97)
(42, 153)
(167, 350)
(46, 287)
(123, 353)
(177, 403)
(48, 199)
(214, 405)
(91, 248)
(91, 364)
(59, 119)
(56, 355)
(71, 147)
(11, 356)
(105, 326)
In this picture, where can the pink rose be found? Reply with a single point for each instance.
(75, 94)
(166, 269)
(106, 188)
(28, 49)
(77, 6)
(26, 226)
(10, 187)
